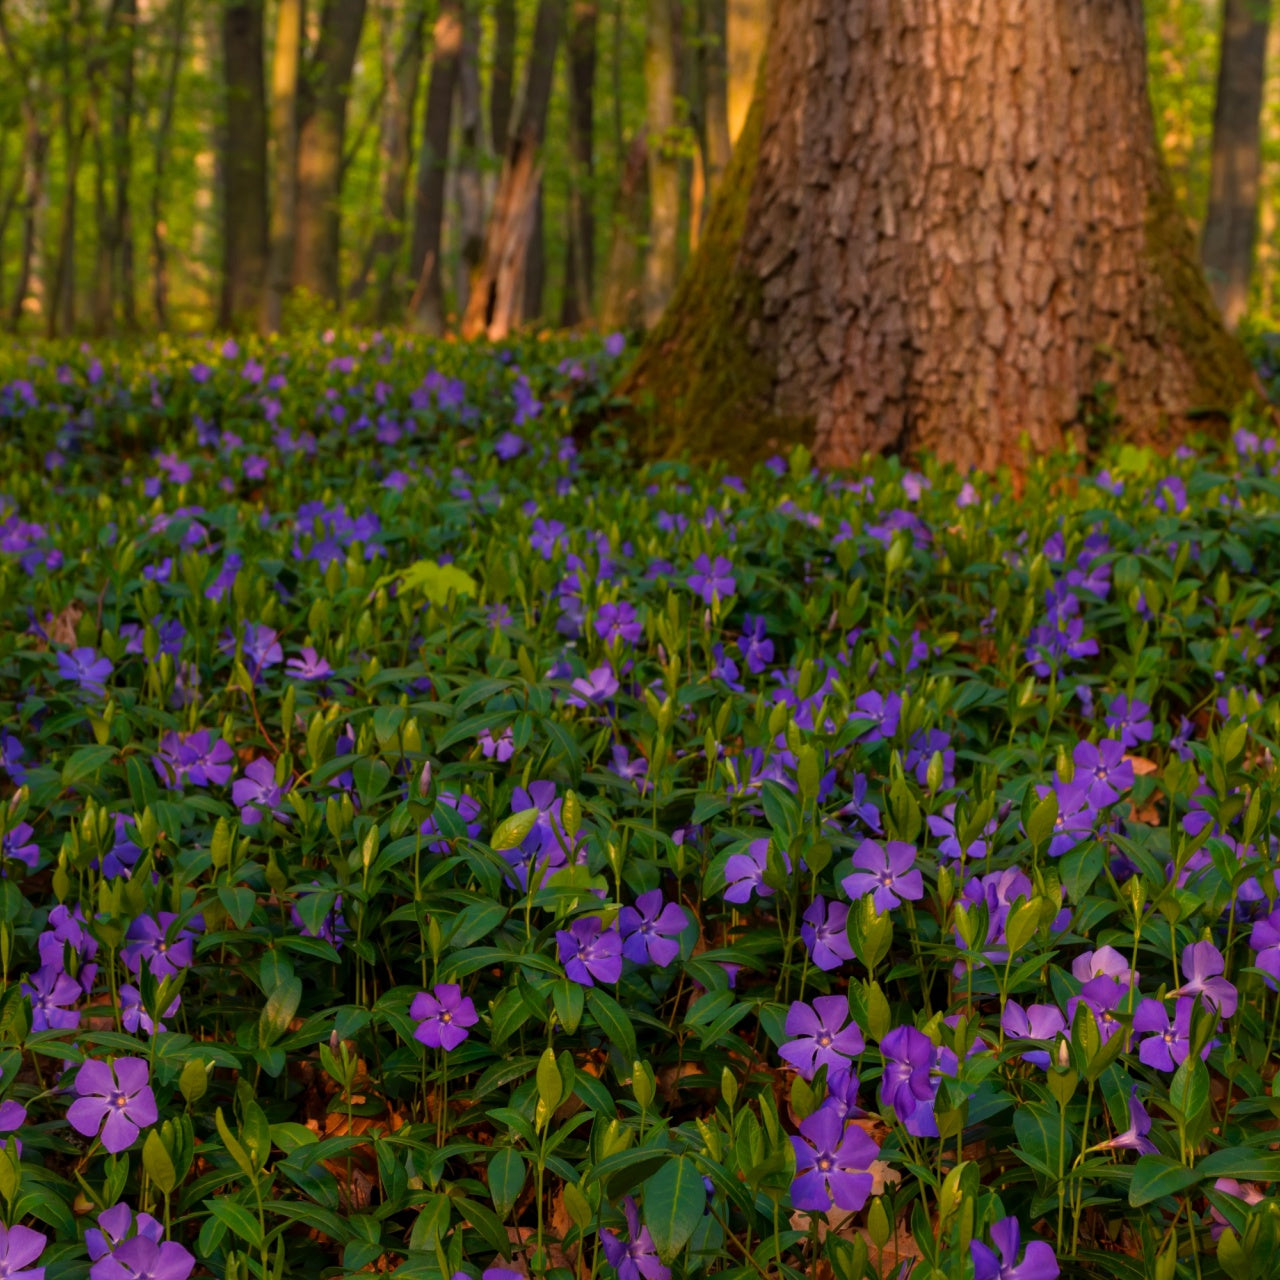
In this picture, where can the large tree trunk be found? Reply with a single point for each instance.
(244, 167)
(580, 246)
(664, 175)
(35, 154)
(286, 63)
(321, 134)
(427, 305)
(942, 233)
(1231, 223)
(401, 68)
(496, 294)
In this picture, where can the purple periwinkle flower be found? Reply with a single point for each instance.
(115, 1226)
(443, 1016)
(18, 845)
(822, 1037)
(887, 872)
(1166, 1046)
(19, 1247)
(308, 665)
(883, 710)
(596, 686)
(833, 1163)
(1203, 966)
(257, 794)
(744, 873)
(823, 932)
(1134, 1138)
(1131, 720)
(650, 929)
(141, 1258)
(589, 952)
(1103, 770)
(1043, 1022)
(909, 1084)
(635, 1257)
(86, 669)
(115, 1098)
(148, 939)
(712, 581)
(618, 622)
(51, 990)
(1038, 1263)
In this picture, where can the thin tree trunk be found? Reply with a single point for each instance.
(321, 134)
(285, 66)
(470, 183)
(502, 78)
(160, 165)
(580, 246)
(402, 68)
(103, 296)
(664, 176)
(1231, 223)
(495, 302)
(244, 205)
(714, 85)
(622, 306)
(890, 265)
(61, 315)
(426, 308)
(35, 152)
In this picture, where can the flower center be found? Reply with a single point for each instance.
(119, 1101)
(446, 1016)
(824, 1164)
(824, 1040)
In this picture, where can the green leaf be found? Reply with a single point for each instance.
(510, 832)
(1248, 1164)
(1155, 1176)
(674, 1201)
(159, 1167)
(550, 1088)
(507, 1172)
(1189, 1088)
(611, 1019)
(435, 581)
(278, 1012)
(84, 763)
(236, 1218)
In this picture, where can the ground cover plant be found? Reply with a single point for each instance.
(435, 845)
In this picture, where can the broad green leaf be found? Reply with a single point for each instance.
(507, 1172)
(674, 1202)
(1155, 1176)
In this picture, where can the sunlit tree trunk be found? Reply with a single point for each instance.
(35, 152)
(496, 295)
(1231, 223)
(126, 286)
(943, 228)
(664, 176)
(580, 244)
(529, 308)
(426, 308)
(244, 167)
(323, 95)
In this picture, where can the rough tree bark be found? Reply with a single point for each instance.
(426, 308)
(244, 167)
(943, 227)
(664, 176)
(580, 243)
(1226, 248)
(622, 306)
(321, 132)
(497, 291)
